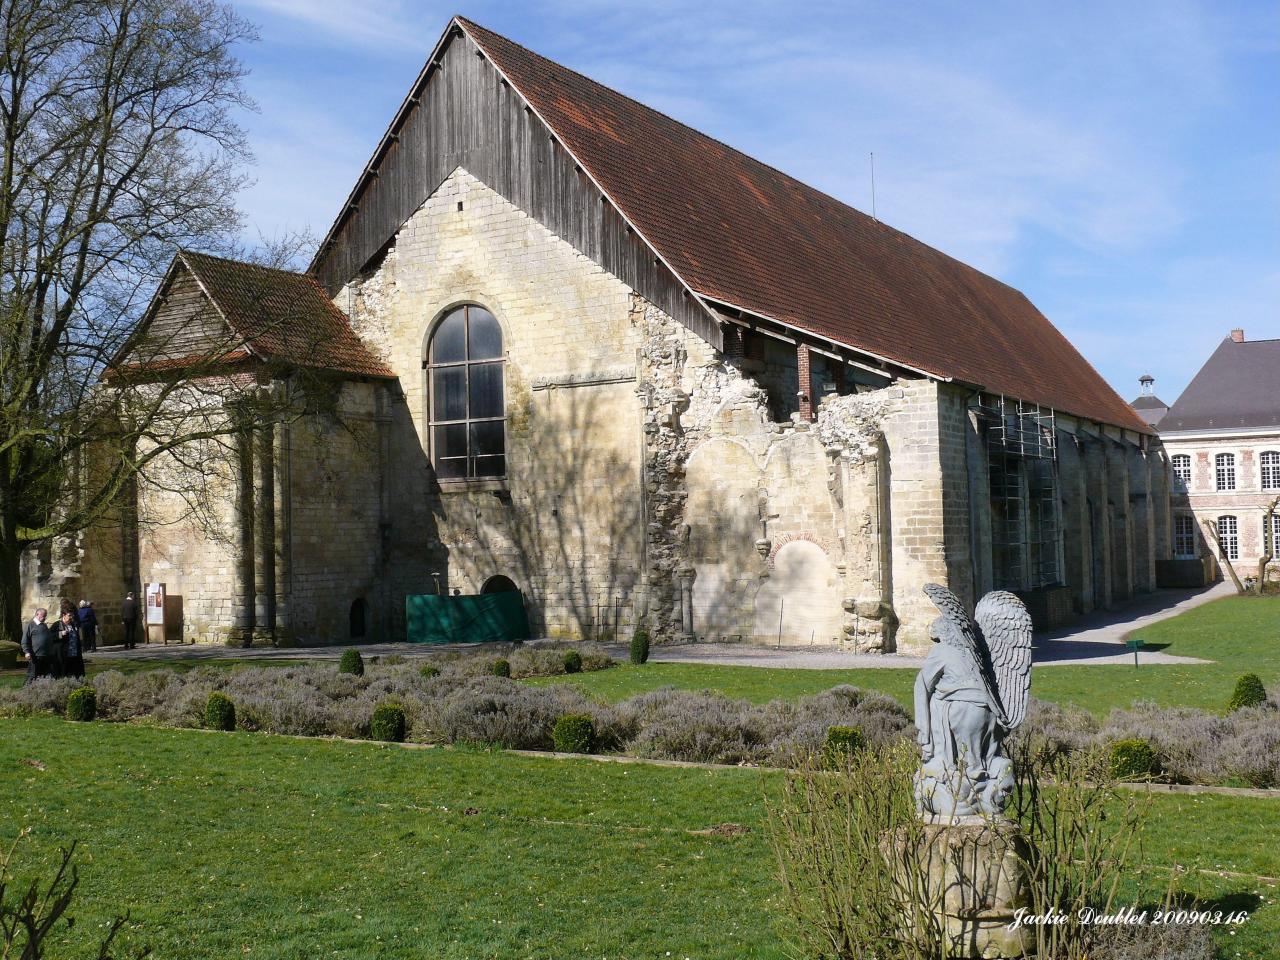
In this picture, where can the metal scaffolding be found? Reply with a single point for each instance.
(1022, 472)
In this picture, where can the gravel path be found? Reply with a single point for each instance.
(1097, 639)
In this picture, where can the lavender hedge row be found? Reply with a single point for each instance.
(463, 703)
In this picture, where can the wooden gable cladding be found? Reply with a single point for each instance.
(184, 322)
(465, 115)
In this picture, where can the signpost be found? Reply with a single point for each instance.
(1135, 644)
(154, 594)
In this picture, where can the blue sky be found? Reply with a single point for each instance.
(1117, 162)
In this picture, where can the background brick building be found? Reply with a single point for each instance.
(1222, 438)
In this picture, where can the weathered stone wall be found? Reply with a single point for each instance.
(567, 526)
(926, 433)
(334, 533)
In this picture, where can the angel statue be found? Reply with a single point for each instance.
(970, 693)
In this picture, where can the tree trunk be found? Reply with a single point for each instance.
(1268, 545)
(10, 587)
(1222, 555)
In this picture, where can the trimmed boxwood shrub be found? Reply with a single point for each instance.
(1249, 692)
(219, 712)
(1132, 759)
(574, 733)
(640, 646)
(82, 704)
(500, 667)
(572, 662)
(351, 662)
(428, 671)
(388, 723)
(842, 743)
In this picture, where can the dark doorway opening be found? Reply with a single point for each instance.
(499, 584)
(358, 619)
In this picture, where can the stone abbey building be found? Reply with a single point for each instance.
(578, 348)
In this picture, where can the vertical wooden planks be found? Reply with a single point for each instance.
(466, 117)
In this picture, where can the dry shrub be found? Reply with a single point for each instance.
(1052, 729)
(697, 726)
(712, 728)
(46, 695)
(1084, 833)
(1250, 751)
(1176, 941)
(126, 696)
(838, 837)
(796, 728)
(853, 857)
(1184, 739)
(496, 710)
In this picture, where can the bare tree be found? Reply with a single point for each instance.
(120, 144)
(1268, 543)
(1212, 527)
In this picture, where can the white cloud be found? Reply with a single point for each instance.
(386, 22)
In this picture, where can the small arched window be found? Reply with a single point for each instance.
(1182, 469)
(1229, 536)
(1225, 470)
(1269, 461)
(466, 404)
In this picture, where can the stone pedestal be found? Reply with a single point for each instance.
(972, 873)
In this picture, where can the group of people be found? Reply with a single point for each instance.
(58, 649)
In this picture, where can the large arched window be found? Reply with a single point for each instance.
(1225, 468)
(467, 411)
(1269, 461)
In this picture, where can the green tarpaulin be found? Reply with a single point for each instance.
(474, 619)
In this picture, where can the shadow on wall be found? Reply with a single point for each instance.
(568, 531)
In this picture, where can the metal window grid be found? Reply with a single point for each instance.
(1022, 456)
(466, 365)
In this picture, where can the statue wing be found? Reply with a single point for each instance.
(967, 637)
(1006, 628)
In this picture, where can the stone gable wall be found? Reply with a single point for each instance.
(567, 527)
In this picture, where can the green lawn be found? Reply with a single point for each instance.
(252, 845)
(1241, 634)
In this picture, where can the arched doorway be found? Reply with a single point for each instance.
(499, 584)
(358, 619)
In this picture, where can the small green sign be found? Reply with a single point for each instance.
(1135, 644)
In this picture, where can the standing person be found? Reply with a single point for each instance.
(88, 627)
(60, 655)
(37, 645)
(129, 616)
(68, 632)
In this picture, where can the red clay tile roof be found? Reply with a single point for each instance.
(284, 317)
(740, 232)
